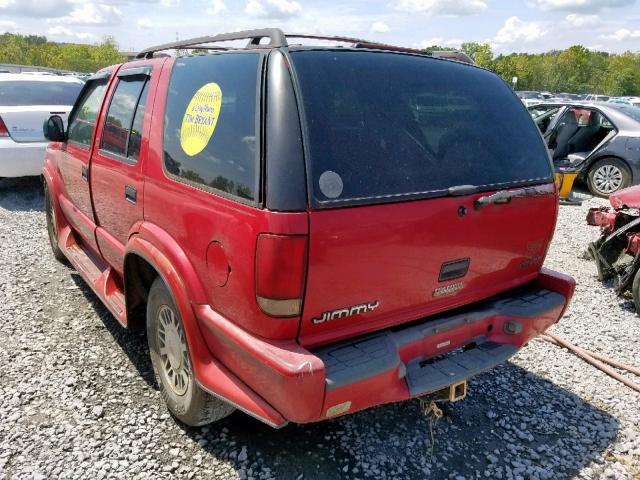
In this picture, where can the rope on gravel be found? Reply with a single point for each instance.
(599, 361)
(434, 413)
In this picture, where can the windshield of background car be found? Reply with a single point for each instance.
(384, 126)
(26, 93)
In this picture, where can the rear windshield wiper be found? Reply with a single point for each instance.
(505, 196)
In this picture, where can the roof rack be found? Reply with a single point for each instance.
(277, 38)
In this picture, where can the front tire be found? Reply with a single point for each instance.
(52, 226)
(172, 363)
(608, 176)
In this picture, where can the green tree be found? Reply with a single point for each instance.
(481, 53)
(38, 51)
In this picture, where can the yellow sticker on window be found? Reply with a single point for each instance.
(200, 119)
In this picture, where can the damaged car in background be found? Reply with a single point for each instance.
(600, 141)
(616, 252)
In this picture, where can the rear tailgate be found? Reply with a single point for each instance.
(25, 122)
(386, 260)
(395, 166)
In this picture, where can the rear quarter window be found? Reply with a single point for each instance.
(415, 127)
(210, 123)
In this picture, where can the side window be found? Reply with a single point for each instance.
(543, 116)
(135, 137)
(582, 116)
(127, 105)
(84, 119)
(210, 123)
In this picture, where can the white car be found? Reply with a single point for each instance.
(26, 101)
(530, 98)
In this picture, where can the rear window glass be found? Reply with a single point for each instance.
(210, 123)
(628, 110)
(416, 126)
(25, 93)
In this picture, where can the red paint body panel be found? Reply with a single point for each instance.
(110, 175)
(194, 219)
(292, 379)
(209, 372)
(76, 191)
(286, 375)
(393, 254)
(627, 198)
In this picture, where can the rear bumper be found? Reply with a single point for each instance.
(388, 366)
(21, 159)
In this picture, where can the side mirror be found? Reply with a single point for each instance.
(54, 129)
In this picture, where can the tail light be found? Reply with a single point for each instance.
(281, 264)
(4, 132)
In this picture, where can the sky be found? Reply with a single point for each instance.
(508, 26)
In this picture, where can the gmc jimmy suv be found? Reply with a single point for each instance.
(305, 232)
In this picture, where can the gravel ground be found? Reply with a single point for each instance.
(78, 399)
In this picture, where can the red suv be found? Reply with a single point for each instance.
(306, 232)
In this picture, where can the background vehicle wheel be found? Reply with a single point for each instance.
(607, 176)
(52, 227)
(635, 290)
(172, 363)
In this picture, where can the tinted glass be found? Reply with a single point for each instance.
(135, 137)
(210, 122)
(415, 126)
(122, 109)
(13, 94)
(84, 118)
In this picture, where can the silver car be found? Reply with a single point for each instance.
(600, 140)
(26, 101)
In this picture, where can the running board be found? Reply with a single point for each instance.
(97, 273)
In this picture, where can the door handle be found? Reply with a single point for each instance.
(85, 173)
(130, 194)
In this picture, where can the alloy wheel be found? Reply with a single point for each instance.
(607, 179)
(174, 355)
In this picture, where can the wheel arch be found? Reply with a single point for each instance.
(138, 276)
(51, 182)
(143, 262)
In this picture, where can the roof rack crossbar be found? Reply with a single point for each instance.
(275, 35)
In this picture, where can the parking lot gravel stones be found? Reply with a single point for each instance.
(78, 398)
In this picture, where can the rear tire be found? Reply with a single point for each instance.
(52, 226)
(635, 291)
(608, 176)
(172, 363)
